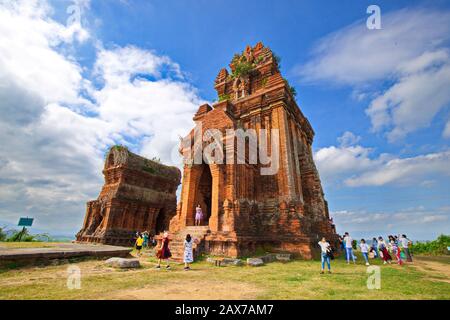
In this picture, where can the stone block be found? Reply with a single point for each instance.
(122, 263)
(283, 256)
(255, 262)
(268, 258)
(231, 262)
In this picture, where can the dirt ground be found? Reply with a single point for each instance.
(438, 271)
(426, 278)
(192, 290)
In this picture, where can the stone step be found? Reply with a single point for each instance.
(177, 241)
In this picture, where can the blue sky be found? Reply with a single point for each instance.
(134, 72)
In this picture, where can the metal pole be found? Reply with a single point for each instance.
(21, 234)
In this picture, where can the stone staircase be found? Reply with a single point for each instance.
(176, 244)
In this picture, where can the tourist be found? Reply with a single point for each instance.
(374, 247)
(139, 242)
(188, 252)
(153, 241)
(342, 245)
(349, 247)
(164, 251)
(325, 254)
(382, 249)
(365, 251)
(395, 249)
(198, 215)
(145, 236)
(405, 242)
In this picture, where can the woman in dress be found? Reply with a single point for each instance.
(198, 215)
(382, 247)
(395, 249)
(188, 252)
(164, 251)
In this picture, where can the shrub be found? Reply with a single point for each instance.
(223, 97)
(18, 235)
(242, 69)
(293, 91)
(435, 247)
(277, 60)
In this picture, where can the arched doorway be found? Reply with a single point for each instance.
(160, 223)
(204, 194)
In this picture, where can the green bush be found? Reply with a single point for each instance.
(293, 91)
(16, 236)
(242, 69)
(435, 247)
(223, 97)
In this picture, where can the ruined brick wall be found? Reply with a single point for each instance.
(138, 195)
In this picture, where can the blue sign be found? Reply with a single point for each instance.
(25, 222)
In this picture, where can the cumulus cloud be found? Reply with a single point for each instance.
(354, 166)
(409, 57)
(55, 123)
(415, 222)
(150, 113)
(348, 139)
(406, 170)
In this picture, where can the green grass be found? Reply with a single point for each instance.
(292, 280)
(32, 244)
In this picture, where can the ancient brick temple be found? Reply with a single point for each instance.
(138, 195)
(245, 210)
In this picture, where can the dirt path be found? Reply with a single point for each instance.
(191, 290)
(438, 271)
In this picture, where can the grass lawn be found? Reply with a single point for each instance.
(427, 278)
(33, 244)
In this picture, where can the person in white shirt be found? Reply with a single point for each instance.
(349, 248)
(325, 254)
(365, 251)
(405, 242)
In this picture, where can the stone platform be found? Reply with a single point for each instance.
(60, 251)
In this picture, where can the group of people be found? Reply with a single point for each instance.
(144, 240)
(163, 252)
(398, 246)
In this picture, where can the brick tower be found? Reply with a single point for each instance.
(244, 209)
(139, 194)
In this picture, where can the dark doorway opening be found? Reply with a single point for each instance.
(160, 225)
(204, 194)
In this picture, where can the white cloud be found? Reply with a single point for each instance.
(154, 112)
(415, 222)
(348, 139)
(446, 132)
(53, 137)
(355, 166)
(406, 170)
(409, 56)
(412, 103)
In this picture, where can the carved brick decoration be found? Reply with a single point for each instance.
(138, 195)
(244, 209)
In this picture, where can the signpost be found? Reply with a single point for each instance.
(24, 222)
